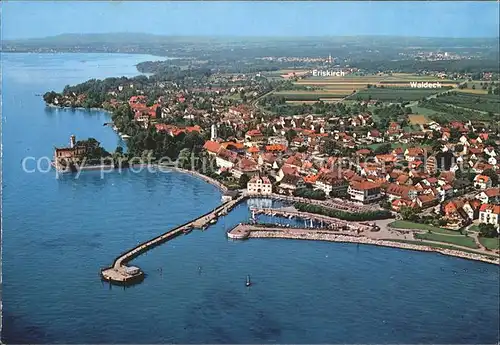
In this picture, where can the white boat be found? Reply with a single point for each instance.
(125, 137)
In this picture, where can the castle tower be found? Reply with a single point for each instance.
(72, 141)
(213, 132)
(330, 58)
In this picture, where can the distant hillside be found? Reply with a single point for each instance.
(348, 49)
(143, 38)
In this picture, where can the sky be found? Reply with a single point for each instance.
(30, 19)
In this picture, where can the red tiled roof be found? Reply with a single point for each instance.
(482, 178)
(289, 170)
(254, 133)
(276, 147)
(212, 146)
(398, 190)
(488, 207)
(253, 149)
(492, 192)
(365, 185)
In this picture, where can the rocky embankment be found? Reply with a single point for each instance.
(308, 235)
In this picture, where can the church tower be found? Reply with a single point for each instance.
(213, 132)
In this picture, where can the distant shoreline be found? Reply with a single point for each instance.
(83, 52)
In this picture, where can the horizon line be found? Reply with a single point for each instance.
(244, 36)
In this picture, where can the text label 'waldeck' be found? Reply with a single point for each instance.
(425, 85)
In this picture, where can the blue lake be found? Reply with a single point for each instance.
(58, 233)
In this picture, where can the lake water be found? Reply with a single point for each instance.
(58, 233)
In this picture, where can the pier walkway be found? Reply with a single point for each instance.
(120, 273)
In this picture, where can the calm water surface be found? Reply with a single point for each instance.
(58, 233)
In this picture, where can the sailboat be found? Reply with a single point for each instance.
(248, 283)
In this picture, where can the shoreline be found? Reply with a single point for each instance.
(380, 243)
(77, 108)
(222, 188)
(198, 175)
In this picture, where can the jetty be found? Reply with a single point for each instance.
(252, 231)
(121, 274)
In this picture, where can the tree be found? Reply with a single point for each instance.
(243, 181)
(488, 230)
(119, 150)
(383, 149)
(290, 134)
(408, 213)
(492, 175)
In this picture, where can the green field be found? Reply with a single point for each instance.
(310, 95)
(486, 103)
(425, 111)
(458, 240)
(403, 224)
(394, 94)
(420, 80)
(490, 243)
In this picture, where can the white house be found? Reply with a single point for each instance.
(260, 185)
(489, 196)
(489, 214)
(364, 191)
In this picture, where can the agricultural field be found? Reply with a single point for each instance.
(418, 119)
(401, 83)
(476, 87)
(386, 88)
(300, 95)
(325, 100)
(394, 94)
(484, 103)
(473, 91)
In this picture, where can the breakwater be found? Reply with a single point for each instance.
(120, 273)
(243, 231)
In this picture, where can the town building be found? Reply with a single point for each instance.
(364, 192)
(332, 182)
(489, 196)
(482, 182)
(289, 183)
(489, 214)
(65, 156)
(260, 185)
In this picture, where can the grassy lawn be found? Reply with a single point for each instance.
(403, 224)
(441, 246)
(473, 228)
(490, 243)
(424, 111)
(458, 240)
